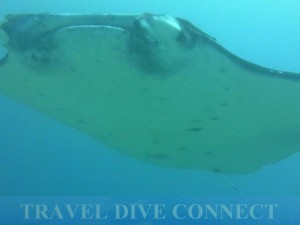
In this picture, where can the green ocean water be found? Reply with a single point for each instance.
(40, 156)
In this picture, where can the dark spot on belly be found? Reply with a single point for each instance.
(224, 104)
(41, 95)
(217, 170)
(181, 149)
(157, 156)
(222, 70)
(208, 153)
(81, 121)
(162, 98)
(195, 129)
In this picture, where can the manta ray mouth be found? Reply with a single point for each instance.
(160, 28)
(160, 43)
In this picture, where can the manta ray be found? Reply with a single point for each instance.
(153, 87)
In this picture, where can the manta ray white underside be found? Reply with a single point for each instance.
(153, 87)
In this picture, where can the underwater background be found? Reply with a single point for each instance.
(40, 156)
